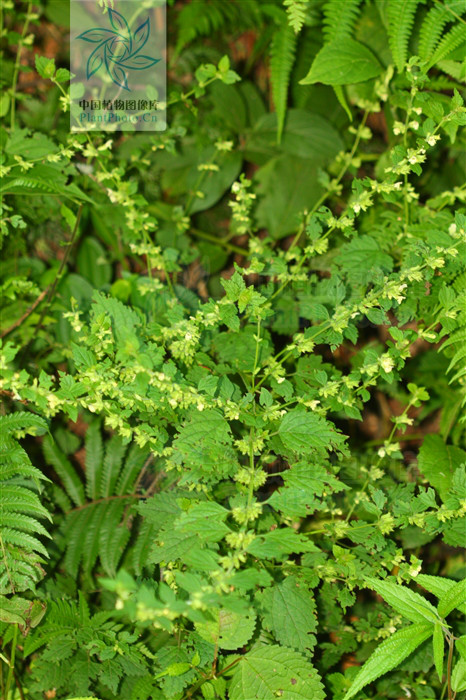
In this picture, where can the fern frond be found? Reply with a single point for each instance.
(296, 13)
(340, 19)
(454, 69)
(400, 14)
(131, 470)
(93, 462)
(113, 540)
(206, 18)
(141, 546)
(432, 27)
(22, 423)
(454, 38)
(282, 56)
(99, 528)
(71, 481)
(21, 552)
(113, 460)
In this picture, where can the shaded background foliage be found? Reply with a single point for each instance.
(233, 370)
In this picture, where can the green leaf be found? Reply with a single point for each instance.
(411, 605)
(306, 136)
(302, 431)
(204, 445)
(461, 646)
(438, 462)
(287, 185)
(26, 613)
(228, 630)
(92, 263)
(65, 471)
(438, 645)
(93, 460)
(454, 598)
(288, 614)
(280, 542)
(177, 669)
(282, 55)
(439, 586)
(206, 519)
(400, 16)
(271, 672)
(343, 62)
(389, 655)
(45, 66)
(458, 676)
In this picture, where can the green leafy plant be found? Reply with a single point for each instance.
(233, 352)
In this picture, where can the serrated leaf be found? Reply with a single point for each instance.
(288, 614)
(389, 654)
(405, 601)
(302, 431)
(278, 543)
(271, 672)
(458, 676)
(438, 586)
(228, 629)
(454, 598)
(438, 462)
(438, 647)
(206, 519)
(461, 646)
(343, 62)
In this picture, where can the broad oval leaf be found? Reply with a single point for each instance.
(389, 654)
(438, 462)
(288, 614)
(343, 62)
(301, 431)
(228, 629)
(411, 605)
(271, 672)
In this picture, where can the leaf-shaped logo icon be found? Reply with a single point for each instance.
(118, 49)
(96, 36)
(139, 62)
(116, 72)
(141, 36)
(94, 62)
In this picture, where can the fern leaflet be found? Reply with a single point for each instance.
(21, 552)
(433, 25)
(454, 38)
(98, 528)
(340, 18)
(282, 56)
(400, 15)
(296, 13)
